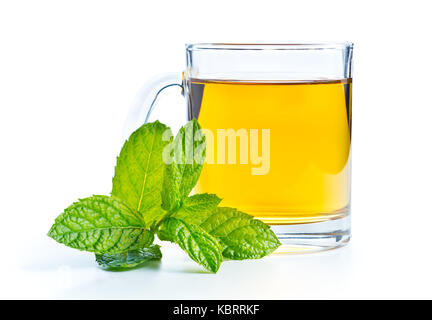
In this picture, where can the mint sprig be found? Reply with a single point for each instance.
(153, 178)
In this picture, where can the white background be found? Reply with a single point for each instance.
(69, 71)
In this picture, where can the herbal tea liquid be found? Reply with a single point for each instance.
(308, 174)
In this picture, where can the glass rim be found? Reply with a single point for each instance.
(270, 46)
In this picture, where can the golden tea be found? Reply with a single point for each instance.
(277, 150)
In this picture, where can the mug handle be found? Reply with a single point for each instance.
(145, 100)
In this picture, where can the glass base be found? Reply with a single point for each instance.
(313, 237)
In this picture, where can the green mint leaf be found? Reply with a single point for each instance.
(101, 224)
(140, 168)
(186, 160)
(196, 242)
(194, 210)
(241, 236)
(130, 259)
(197, 208)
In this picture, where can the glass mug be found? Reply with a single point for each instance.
(277, 120)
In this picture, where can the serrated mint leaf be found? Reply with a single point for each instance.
(101, 224)
(196, 242)
(140, 168)
(194, 210)
(129, 259)
(241, 236)
(197, 208)
(184, 169)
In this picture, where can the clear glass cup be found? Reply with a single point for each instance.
(277, 118)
